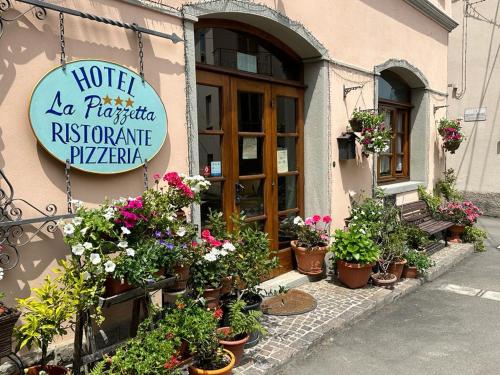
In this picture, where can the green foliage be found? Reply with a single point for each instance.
(44, 316)
(2, 295)
(419, 259)
(393, 246)
(313, 232)
(354, 246)
(243, 323)
(368, 118)
(416, 238)
(446, 187)
(476, 236)
(432, 201)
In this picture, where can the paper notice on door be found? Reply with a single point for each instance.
(282, 160)
(249, 148)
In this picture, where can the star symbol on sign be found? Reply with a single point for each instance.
(130, 102)
(118, 101)
(106, 100)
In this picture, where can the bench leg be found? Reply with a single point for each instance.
(445, 238)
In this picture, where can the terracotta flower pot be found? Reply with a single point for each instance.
(212, 296)
(227, 285)
(7, 323)
(354, 275)
(396, 268)
(309, 261)
(456, 232)
(227, 370)
(384, 281)
(181, 273)
(115, 286)
(49, 369)
(410, 272)
(234, 346)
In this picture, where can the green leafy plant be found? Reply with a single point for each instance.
(416, 238)
(45, 315)
(354, 246)
(476, 236)
(375, 135)
(446, 186)
(393, 246)
(418, 259)
(432, 201)
(242, 323)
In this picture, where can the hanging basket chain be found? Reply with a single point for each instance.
(63, 44)
(141, 53)
(146, 182)
(69, 195)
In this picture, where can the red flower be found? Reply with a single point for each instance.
(218, 313)
(171, 363)
(169, 336)
(327, 219)
(205, 234)
(316, 218)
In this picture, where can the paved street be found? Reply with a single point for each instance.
(449, 326)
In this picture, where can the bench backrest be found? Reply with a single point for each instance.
(415, 212)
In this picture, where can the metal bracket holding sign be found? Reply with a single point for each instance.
(475, 114)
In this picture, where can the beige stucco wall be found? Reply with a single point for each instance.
(476, 161)
(363, 33)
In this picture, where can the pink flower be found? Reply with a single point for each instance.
(327, 219)
(316, 218)
(205, 234)
(156, 177)
(309, 221)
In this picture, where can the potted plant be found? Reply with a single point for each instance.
(209, 269)
(451, 133)
(375, 136)
(311, 244)
(364, 119)
(461, 214)
(391, 260)
(355, 254)
(45, 316)
(416, 238)
(417, 263)
(241, 324)
(8, 319)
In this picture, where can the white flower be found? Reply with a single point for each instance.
(130, 252)
(1, 273)
(223, 253)
(95, 258)
(77, 220)
(87, 245)
(123, 244)
(181, 232)
(78, 249)
(84, 230)
(109, 266)
(61, 223)
(76, 203)
(228, 246)
(298, 221)
(108, 215)
(211, 257)
(68, 229)
(125, 230)
(86, 275)
(362, 231)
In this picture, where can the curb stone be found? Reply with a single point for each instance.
(292, 338)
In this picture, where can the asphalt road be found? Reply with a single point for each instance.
(432, 331)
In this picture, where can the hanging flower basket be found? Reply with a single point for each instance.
(451, 133)
(7, 323)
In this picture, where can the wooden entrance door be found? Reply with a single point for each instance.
(254, 129)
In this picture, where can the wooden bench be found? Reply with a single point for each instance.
(417, 213)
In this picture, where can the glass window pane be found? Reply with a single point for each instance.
(209, 148)
(399, 126)
(287, 192)
(385, 165)
(250, 155)
(208, 107)
(252, 197)
(392, 87)
(286, 114)
(399, 163)
(399, 143)
(249, 112)
(285, 233)
(211, 200)
(287, 154)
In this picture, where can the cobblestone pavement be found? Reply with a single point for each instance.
(337, 308)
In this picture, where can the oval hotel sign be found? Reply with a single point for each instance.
(98, 115)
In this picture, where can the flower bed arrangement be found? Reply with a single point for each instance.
(451, 133)
(461, 213)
